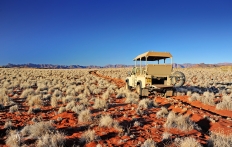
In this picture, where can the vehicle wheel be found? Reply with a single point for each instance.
(174, 93)
(127, 86)
(155, 93)
(178, 79)
(165, 95)
(139, 89)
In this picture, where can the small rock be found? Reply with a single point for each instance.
(125, 115)
(184, 110)
(212, 120)
(134, 118)
(216, 119)
(98, 145)
(137, 124)
(228, 118)
(91, 126)
(157, 126)
(132, 136)
(120, 141)
(205, 116)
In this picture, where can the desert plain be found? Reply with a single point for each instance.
(92, 108)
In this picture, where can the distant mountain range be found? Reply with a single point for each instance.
(190, 65)
(51, 66)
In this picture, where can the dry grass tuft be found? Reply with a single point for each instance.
(8, 124)
(166, 136)
(43, 132)
(27, 92)
(13, 109)
(218, 139)
(106, 95)
(100, 104)
(51, 140)
(13, 138)
(61, 110)
(106, 121)
(35, 101)
(149, 143)
(146, 104)
(187, 142)
(162, 113)
(88, 136)
(194, 97)
(132, 98)
(70, 105)
(85, 116)
(38, 129)
(180, 122)
(54, 102)
(78, 108)
(224, 105)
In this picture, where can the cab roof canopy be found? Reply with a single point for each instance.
(153, 56)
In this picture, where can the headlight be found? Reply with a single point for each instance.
(148, 80)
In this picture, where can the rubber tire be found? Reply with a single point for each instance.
(127, 86)
(139, 89)
(174, 93)
(165, 95)
(177, 75)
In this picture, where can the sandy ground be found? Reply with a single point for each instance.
(125, 114)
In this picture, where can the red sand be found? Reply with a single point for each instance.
(137, 134)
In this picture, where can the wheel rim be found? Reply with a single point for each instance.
(178, 79)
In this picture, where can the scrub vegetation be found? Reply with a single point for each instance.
(56, 107)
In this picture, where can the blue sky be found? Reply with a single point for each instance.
(100, 32)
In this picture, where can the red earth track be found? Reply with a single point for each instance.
(118, 82)
(225, 113)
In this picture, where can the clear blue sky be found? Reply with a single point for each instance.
(100, 32)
